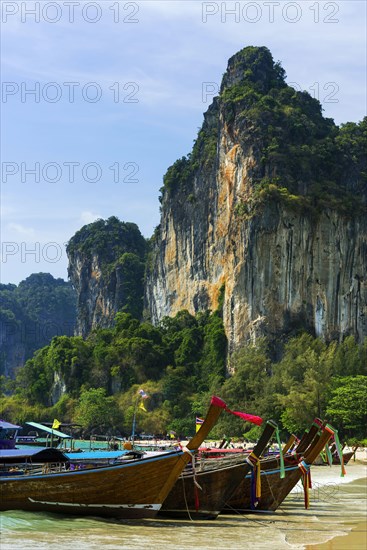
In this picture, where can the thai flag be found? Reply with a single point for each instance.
(143, 394)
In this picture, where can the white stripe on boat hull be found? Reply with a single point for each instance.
(155, 507)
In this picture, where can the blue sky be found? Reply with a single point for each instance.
(157, 57)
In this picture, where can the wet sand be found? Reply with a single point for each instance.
(355, 540)
(354, 524)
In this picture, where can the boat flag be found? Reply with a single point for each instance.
(56, 424)
(143, 394)
(142, 406)
(247, 417)
(199, 422)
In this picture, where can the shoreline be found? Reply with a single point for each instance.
(354, 527)
(355, 539)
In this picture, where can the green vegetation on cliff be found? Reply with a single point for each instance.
(302, 158)
(108, 239)
(203, 157)
(31, 313)
(119, 250)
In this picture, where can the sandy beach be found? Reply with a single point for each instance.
(355, 540)
(351, 521)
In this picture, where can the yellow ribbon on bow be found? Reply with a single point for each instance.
(255, 460)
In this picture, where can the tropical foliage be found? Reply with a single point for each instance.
(180, 364)
(109, 239)
(31, 313)
(177, 359)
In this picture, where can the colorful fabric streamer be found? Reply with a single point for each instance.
(281, 457)
(255, 463)
(317, 422)
(247, 417)
(306, 481)
(340, 453)
(217, 401)
(328, 454)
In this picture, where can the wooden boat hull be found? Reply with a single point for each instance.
(218, 478)
(127, 490)
(322, 460)
(186, 500)
(346, 457)
(273, 489)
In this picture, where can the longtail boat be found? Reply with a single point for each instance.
(291, 443)
(132, 489)
(8, 434)
(323, 459)
(201, 491)
(276, 484)
(29, 459)
(347, 455)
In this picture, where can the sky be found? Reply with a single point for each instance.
(98, 99)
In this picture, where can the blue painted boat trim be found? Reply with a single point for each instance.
(95, 455)
(88, 471)
(272, 472)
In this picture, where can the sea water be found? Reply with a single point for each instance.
(337, 505)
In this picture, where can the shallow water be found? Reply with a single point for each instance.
(337, 504)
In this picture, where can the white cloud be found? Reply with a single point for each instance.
(21, 230)
(89, 217)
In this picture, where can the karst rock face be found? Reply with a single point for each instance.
(258, 215)
(98, 296)
(106, 268)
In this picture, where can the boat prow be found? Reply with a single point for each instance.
(131, 489)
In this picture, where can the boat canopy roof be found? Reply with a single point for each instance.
(49, 430)
(29, 454)
(96, 455)
(7, 426)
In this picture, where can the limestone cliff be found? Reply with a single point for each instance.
(106, 268)
(271, 203)
(97, 293)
